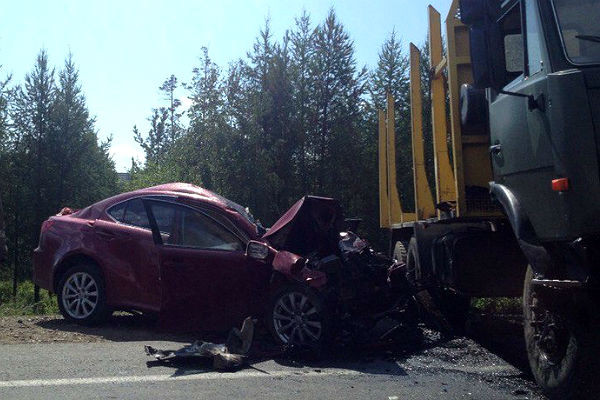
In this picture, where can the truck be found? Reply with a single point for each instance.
(515, 109)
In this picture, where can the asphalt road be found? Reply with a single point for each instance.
(434, 369)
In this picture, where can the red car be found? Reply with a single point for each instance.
(188, 254)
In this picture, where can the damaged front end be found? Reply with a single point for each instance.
(358, 286)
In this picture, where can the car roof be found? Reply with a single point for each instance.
(177, 189)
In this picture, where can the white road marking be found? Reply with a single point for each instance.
(164, 378)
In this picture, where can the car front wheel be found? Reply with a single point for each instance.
(82, 296)
(296, 316)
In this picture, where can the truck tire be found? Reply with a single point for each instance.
(400, 252)
(561, 350)
(446, 310)
(412, 261)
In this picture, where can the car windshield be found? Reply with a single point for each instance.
(244, 212)
(578, 22)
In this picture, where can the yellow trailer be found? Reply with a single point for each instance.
(457, 243)
(461, 189)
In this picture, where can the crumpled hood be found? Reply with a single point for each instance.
(311, 225)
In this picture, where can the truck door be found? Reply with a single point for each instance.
(521, 150)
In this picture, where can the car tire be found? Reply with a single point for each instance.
(562, 350)
(297, 315)
(81, 295)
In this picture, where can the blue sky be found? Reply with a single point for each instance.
(125, 49)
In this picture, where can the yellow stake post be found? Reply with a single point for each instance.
(424, 206)
(384, 205)
(444, 176)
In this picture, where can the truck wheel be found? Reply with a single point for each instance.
(412, 261)
(447, 311)
(81, 295)
(559, 347)
(400, 252)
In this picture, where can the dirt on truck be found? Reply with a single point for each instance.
(516, 208)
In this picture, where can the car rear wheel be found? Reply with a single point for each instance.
(82, 296)
(296, 316)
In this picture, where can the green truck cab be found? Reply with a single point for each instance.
(539, 64)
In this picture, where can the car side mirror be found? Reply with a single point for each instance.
(257, 250)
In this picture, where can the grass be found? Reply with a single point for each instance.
(23, 303)
(499, 305)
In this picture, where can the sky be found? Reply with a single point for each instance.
(126, 49)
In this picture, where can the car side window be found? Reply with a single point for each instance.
(199, 231)
(135, 214)
(118, 211)
(164, 215)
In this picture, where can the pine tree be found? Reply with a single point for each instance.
(168, 90)
(393, 75)
(157, 142)
(302, 50)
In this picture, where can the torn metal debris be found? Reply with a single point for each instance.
(228, 356)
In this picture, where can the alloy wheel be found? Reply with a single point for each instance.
(296, 319)
(80, 295)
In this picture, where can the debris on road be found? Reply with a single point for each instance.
(225, 357)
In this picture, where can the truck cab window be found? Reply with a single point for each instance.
(580, 30)
(512, 39)
(534, 39)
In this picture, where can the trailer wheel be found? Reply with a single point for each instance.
(561, 350)
(400, 252)
(412, 261)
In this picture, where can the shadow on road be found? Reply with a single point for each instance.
(121, 327)
(501, 335)
(498, 334)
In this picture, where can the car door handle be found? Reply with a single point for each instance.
(496, 148)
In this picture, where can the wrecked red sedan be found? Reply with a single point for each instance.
(187, 254)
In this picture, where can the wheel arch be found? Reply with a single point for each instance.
(537, 255)
(67, 262)
(514, 212)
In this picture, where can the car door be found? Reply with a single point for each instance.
(207, 282)
(521, 146)
(129, 256)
